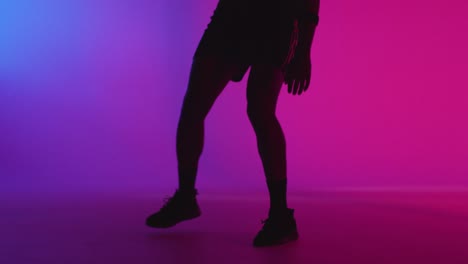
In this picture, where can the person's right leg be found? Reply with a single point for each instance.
(209, 75)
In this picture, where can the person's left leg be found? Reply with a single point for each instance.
(263, 88)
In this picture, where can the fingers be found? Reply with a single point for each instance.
(290, 83)
(307, 84)
(293, 86)
(298, 86)
(302, 87)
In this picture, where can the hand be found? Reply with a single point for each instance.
(298, 73)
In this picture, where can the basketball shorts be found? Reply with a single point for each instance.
(246, 32)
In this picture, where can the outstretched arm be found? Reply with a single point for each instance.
(298, 73)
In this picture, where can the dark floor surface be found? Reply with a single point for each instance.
(334, 228)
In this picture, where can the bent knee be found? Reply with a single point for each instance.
(260, 115)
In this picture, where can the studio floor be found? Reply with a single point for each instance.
(334, 228)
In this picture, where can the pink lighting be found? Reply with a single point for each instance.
(91, 92)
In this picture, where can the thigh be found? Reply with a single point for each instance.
(263, 88)
(209, 75)
(228, 33)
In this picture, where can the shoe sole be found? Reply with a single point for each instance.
(174, 223)
(291, 238)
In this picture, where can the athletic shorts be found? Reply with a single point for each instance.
(251, 31)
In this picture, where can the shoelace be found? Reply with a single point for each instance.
(270, 223)
(267, 224)
(167, 201)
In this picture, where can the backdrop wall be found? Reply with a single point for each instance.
(90, 94)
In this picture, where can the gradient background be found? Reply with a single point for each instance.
(90, 94)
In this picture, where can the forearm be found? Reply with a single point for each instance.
(307, 15)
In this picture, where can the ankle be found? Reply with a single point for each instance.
(187, 192)
(280, 211)
(187, 177)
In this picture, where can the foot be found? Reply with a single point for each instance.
(278, 229)
(180, 207)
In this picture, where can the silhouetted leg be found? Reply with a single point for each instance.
(264, 85)
(208, 77)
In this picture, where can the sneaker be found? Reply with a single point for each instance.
(180, 207)
(278, 229)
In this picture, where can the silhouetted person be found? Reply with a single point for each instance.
(274, 38)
